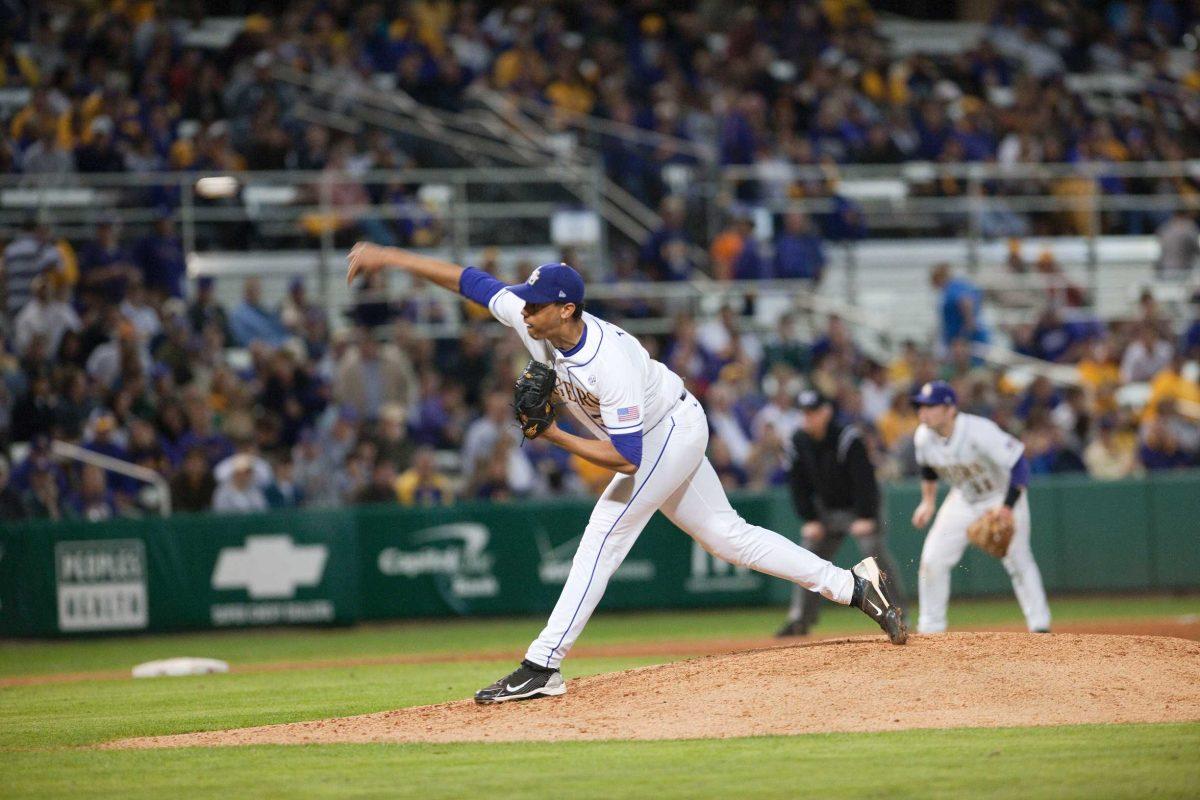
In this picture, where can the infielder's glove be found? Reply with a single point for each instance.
(992, 533)
(531, 399)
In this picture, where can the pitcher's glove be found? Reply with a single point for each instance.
(531, 399)
(992, 533)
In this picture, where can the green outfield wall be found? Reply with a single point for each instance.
(194, 571)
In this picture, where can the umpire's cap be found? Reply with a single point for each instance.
(551, 283)
(935, 393)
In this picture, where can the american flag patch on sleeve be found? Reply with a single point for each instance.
(627, 414)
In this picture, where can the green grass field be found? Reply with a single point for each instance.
(46, 730)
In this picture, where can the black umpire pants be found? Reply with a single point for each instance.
(805, 606)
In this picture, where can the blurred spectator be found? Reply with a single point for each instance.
(1178, 383)
(798, 249)
(780, 412)
(283, 491)
(961, 305)
(730, 474)
(1046, 448)
(726, 249)
(12, 507)
(665, 255)
(1184, 428)
(297, 312)
(160, 257)
(726, 427)
(205, 310)
(784, 348)
(33, 413)
(1189, 346)
(46, 315)
(483, 436)
(382, 488)
(240, 491)
(837, 345)
(1112, 455)
(193, 486)
(504, 475)
(136, 308)
(105, 267)
(1160, 449)
(94, 501)
(43, 499)
(1179, 245)
(252, 322)
(1145, 356)
(391, 437)
(422, 484)
(1060, 290)
(370, 376)
(27, 257)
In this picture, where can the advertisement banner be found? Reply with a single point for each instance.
(196, 571)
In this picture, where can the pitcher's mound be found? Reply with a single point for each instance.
(861, 684)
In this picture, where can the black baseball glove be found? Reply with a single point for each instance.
(531, 399)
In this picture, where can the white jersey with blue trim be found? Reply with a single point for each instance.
(609, 384)
(976, 458)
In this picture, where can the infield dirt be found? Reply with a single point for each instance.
(856, 684)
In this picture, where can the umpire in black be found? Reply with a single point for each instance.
(835, 492)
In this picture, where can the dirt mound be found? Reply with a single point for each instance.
(860, 684)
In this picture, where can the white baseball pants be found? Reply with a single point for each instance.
(676, 478)
(944, 548)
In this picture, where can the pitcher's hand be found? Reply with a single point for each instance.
(365, 259)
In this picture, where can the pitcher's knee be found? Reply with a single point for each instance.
(742, 542)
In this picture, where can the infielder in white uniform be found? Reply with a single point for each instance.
(637, 419)
(986, 467)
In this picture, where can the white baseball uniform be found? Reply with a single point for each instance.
(611, 386)
(976, 460)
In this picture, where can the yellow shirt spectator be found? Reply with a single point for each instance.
(422, 484)
(1171, 385)
(594, 477)
(895, 424)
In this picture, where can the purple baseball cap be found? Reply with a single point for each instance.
(935, 393)
(551, 283)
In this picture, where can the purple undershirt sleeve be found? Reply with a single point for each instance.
(478, 286)
(629, 445)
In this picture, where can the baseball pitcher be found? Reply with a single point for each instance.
(987, 505)
(636, 418)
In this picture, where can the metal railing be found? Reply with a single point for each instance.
(143, 474)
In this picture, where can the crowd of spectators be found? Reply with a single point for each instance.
(264, 405)
(117, 86)
(268, 404)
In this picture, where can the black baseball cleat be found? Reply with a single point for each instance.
(792, 628)
(871, 597)
(527, 680)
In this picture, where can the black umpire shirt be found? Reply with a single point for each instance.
(835, 469)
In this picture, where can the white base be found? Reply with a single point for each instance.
(174, 667)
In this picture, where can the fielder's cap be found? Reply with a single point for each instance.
(935, 393)
(811, 400)
(551, 283)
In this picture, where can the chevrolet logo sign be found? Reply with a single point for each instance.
(270, 566)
